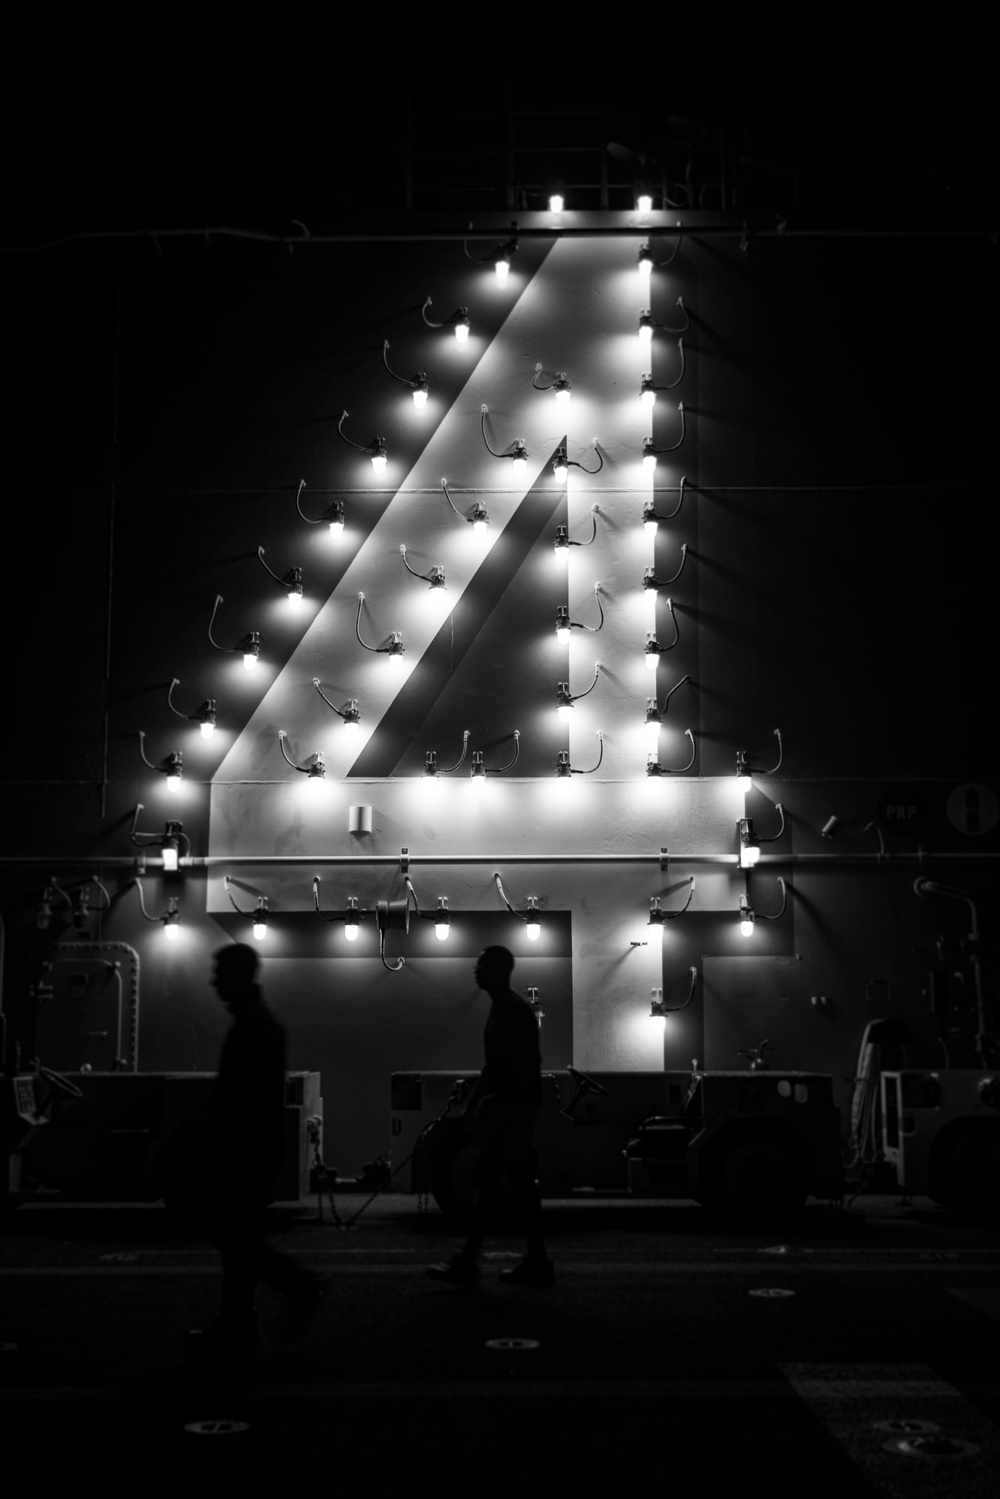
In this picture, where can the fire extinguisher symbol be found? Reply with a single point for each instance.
(973, 809)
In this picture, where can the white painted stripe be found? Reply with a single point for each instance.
(851, 1401)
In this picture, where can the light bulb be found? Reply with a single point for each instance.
(651, 652)
(645, 261)
(744, 781)
(478, 770)
(395, 652)
(645, 327)
(351, 930)
(647, 391)
(562, 622)
(746, 926)
(441, 920)
(336, 515)
(648, 453)
(170, 931)
(556, 202)
(650, 522)
(420, 391)
(502, 268)
(462, 325)
(534, 923)
(259, 931)
(519, 457)
(379, 461)
(561, 544)
(652, 726)
(250, 655)
(207, 728)
(174, 782)
(352, 716)
(564, 771)
(441, 930)
(479, 518)
(295, 597)
(644, 203)
(170, 855)
(562, 389)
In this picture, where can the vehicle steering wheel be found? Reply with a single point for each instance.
(59, 1083)
(586, 1084)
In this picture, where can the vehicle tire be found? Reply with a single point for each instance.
(754, 1180)
(452, 1174)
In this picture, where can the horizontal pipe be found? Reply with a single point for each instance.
(920, 857)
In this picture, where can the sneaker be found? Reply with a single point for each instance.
(530, 1273)
(457, 1272)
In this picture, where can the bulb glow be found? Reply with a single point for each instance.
(249, 660)
(420, 394)
(556, 202)
(479, 518)
(644, 203)
(645, 328)
(533, 926)
(746, 926)
(351, 930)
(562, 389)
(502, 268)
(652, 728)
(519, 457)
(170, 931)
(379, 461)
(651, 653)
(170, 855)
(441, 930)
(259, 931)
(650, 522)
(647, 391)
(462, 326)
(207, 728)
(337, 528)
(174, 782)
(645, 260)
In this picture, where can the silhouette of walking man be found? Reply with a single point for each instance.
(505, 1104)
(248, 1120)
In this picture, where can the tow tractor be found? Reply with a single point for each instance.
(753, 1143)
(128, 1136)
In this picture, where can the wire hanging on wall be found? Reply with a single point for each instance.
(258, 915)
(315, 770)
(645, 263)
(650, 452)
(651, 520)
(653, 650)
(559, 384)
(562, 463)
(648, 391)
(766, 916)
(654, 713)
(334, 515)
(418, 385)
(169, 840)
(646, 324)
(204, 715)
(435, 577)
(563, 543)
(659, 1009)
(656, 913)
(394, 650)
(654, 768)
(531, 915)
(432, 768)
(564, 624)
(565, 699)
(170, 920)
(376, 449)
(480, 770)
(498, 258)
(565, 771)
(518, 455)
(249, 646)
(478, 518)
(291, 582)
(351, 714)
(350, 916)
(459, 322)
(172, 766)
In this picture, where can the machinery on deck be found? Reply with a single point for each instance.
(750, 1142)
(128, 1136)
(941, 1131)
